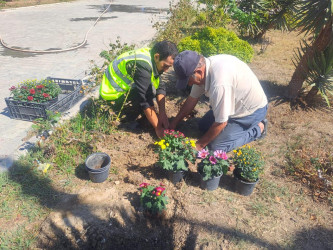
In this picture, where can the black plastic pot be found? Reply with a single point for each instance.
(211, 184)
(98, 166)
(176, 177)
(243, 187)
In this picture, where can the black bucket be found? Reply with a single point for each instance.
(243, 187)
(176, 177)
(98, 166)
(211, 184)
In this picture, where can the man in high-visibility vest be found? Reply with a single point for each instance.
(139, 71)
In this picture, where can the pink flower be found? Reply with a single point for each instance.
(24, 87)
(212, 160)
(220, 154)
(32, 91)
(203, 153)
(159, 189)
(12, 88)
(144, 184)
(30, 98)
(46, 95)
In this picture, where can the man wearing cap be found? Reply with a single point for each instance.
(134, 77)
(237, 100)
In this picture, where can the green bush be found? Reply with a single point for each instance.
(210, 41)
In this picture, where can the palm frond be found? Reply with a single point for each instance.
(283, 10)
(320, 72)
(313, 15)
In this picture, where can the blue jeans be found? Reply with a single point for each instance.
(238, 132)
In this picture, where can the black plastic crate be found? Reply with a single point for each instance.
(71, 93)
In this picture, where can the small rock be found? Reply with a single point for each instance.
(117, 182)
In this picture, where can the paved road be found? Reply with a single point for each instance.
(64, 25)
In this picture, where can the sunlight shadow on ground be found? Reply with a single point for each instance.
(74, 223)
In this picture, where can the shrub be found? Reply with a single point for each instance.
(209, 41)
(213, 13)
(182, 15)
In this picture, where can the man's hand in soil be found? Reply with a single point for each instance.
(198, 146)
(159, 130)
(163, 120)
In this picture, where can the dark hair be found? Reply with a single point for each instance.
(165, 49)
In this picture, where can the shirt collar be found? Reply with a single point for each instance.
(155, 72)
(207, 80)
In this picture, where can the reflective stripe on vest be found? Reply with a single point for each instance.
(116, 81)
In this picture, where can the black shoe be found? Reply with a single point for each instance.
(264, 132)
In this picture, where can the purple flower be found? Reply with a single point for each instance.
(12, 88)
(212, 160)
(203, 153)
(220, 154)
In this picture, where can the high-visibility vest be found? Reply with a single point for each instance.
(116, 81)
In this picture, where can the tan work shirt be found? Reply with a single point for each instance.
(233, 89)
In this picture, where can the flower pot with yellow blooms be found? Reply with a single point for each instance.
(249, 165)
(174, 151)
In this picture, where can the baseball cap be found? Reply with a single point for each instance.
(184, 66)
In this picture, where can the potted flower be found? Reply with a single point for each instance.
(174, 150)
(35, 91)
(30, 99)
(153, 199)
(211, 167)
(249, 165)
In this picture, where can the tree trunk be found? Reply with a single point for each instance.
(312, 93)
(320, 44)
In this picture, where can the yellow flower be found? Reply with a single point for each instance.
(193, 144)
(156, 143)
(161, 142)
(187, 142)
(192, 141)
(163, 146)
(167, 144)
